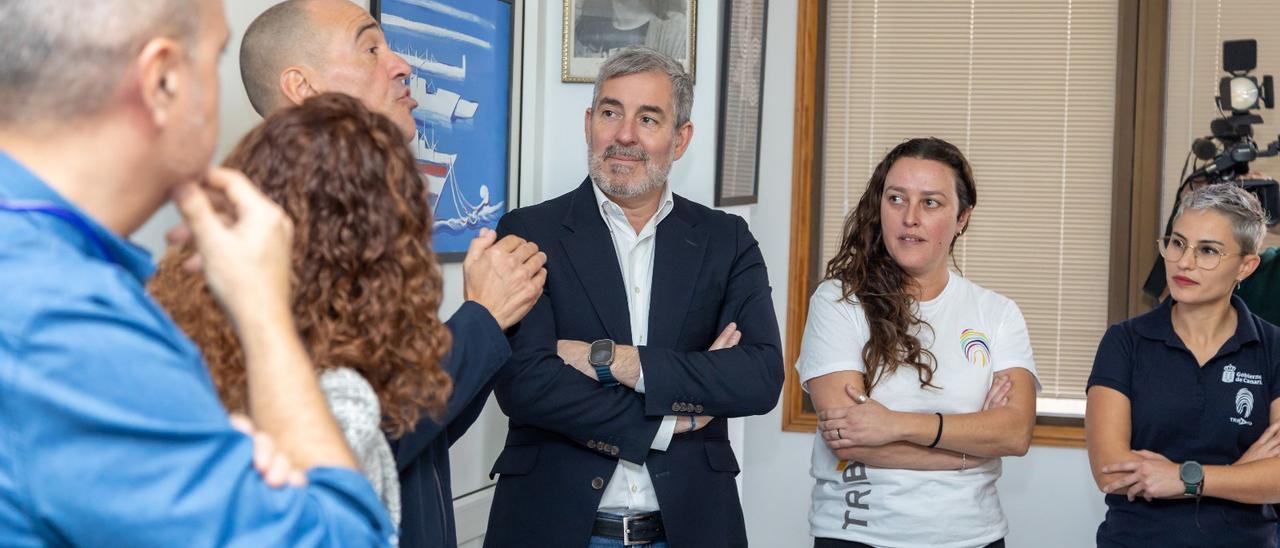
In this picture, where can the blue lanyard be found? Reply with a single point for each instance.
(54, 210)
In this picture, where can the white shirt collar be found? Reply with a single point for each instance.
(607, 207)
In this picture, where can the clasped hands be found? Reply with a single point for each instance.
(575, 354)
(868, 423)
(1150, 475)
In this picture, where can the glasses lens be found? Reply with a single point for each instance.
(1171, 249)
(1208, 261)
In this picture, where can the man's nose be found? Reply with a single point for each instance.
(626, 134)
(400, 68)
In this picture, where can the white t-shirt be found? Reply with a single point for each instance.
(975, 333)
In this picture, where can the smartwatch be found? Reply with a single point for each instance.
(601, 357)
(1192, 476)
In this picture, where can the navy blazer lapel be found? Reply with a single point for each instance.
(595, 261)
(677, 262)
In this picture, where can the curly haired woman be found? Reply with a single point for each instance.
(922, 379)
(366, 282)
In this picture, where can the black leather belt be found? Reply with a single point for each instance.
(637, 529)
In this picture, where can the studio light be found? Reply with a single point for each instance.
(1241, 91)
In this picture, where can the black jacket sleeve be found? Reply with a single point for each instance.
(478, 351)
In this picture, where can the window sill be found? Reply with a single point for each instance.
(1059, 422)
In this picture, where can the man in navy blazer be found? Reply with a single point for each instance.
(622, 375)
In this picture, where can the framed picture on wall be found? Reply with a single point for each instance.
(465, 77)
(741, 97)
(594, 29)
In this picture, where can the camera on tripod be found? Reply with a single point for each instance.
(1224, 157)
(1238, 95)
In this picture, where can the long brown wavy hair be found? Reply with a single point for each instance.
(865, 268)
(366, 284)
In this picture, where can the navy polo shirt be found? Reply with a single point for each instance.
(1209, 414)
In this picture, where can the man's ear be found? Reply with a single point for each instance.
(159, 78)
(296, 85)
(684, 134)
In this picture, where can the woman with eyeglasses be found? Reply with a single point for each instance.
(1182, 399)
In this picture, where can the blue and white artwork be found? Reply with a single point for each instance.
(460, 51)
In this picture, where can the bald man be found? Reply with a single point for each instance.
(299, 48)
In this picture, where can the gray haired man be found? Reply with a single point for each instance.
(656, 325)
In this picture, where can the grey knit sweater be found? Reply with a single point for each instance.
(355, 406)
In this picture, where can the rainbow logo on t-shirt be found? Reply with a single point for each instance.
(976, 349)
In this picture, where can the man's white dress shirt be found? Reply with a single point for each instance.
(630, 491)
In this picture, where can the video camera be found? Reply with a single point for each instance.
(1238, 95)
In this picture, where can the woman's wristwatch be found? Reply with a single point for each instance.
(1192, 476)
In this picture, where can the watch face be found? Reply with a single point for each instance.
(601, 352)
(1191, 472)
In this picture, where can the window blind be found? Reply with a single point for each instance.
(1027, 91)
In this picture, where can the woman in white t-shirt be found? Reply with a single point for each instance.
(900, 357)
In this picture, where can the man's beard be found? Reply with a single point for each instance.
(655, 175)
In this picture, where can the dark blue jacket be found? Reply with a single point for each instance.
(567, 431)
(479, 350)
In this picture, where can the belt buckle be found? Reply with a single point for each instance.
(626, 531)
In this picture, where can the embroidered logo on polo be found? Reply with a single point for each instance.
(1230, 375)
(976, 348)
(1244, 407)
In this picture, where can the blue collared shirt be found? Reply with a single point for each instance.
(111, 432)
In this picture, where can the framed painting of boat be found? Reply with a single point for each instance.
(594, 29)
(465, 70)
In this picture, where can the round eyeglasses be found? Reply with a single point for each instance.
(1207, 256)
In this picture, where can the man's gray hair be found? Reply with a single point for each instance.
(64, 59)
(639, 59)
(277, 38)
(1248, 220)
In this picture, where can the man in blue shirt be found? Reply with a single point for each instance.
(110, 430)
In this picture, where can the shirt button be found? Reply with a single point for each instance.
(635, 489)
(597, 483)
(637, 290)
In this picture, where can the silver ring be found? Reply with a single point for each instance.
(838, 434)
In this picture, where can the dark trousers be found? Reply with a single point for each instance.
(833, 543)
